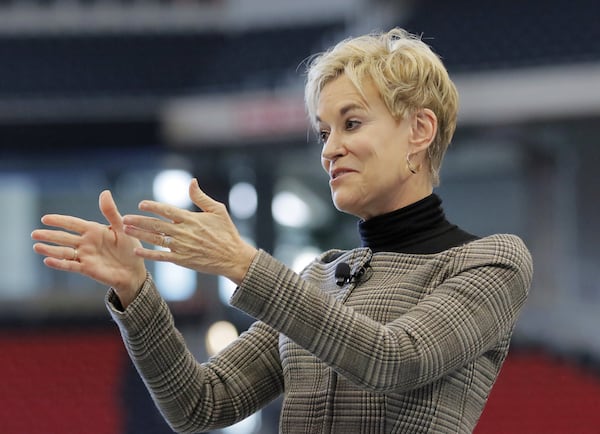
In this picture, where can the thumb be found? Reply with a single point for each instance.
(109, 209)
(202, 200)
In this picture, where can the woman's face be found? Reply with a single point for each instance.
(364, 151)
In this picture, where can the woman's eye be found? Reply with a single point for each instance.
(323, 135)
(352, 124)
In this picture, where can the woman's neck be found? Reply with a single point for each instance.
(419, 228)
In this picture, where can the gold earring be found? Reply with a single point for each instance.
(414, 170)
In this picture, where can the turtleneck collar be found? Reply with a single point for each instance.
(419, 228)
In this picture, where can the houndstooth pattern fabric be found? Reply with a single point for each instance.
(414, 347)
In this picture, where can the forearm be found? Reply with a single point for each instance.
(353, 344)
(191, 396)
(159, 354)
(460, 319)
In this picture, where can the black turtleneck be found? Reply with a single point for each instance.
(419, 228)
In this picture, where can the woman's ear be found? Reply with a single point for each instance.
(423, 130)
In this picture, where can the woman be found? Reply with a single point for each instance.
(406, 333)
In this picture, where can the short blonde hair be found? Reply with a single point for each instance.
(407, 73)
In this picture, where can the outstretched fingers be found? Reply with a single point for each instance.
(57, 252)
(161, 255)
(69, 223)
(157, 238)
(169, 212)
(55, 237)
(204, 201)
(109, 210)
(63, 265)
(59, 244)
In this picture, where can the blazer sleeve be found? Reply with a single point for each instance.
(195, 397)
(471, 311)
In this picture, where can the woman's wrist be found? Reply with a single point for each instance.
(128, 293)
(246, 257)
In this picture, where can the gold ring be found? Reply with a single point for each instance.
(75, 254)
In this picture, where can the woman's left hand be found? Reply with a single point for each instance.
(205, 241)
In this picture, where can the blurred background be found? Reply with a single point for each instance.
(138, 96)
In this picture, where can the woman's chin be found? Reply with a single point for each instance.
(346, 205)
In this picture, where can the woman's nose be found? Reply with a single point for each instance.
(333, 148)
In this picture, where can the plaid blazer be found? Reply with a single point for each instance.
(415, 346)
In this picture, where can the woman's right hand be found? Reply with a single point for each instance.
(103, 253)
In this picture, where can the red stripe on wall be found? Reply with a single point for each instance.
(61, 382)
(70, 382)
(538, 393)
